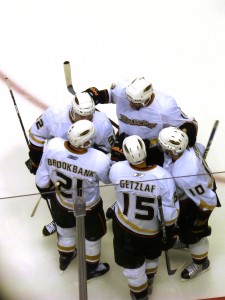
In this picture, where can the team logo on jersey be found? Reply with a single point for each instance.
(140, 175)
(145, 123)
(72, 157)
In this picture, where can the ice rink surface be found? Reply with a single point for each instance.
(179, 45)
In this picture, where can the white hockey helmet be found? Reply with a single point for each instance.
(134, 149)
(80, 133)
(83, 104)
(139, 90)
(173, 140)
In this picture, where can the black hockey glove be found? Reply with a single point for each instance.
(154, 155)
(99, 97)
(31, 166)
(117, 154)
(117, 151)
(171, 237)
(191, 129)
(46, 192)
(35, 155)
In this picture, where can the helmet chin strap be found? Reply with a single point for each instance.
(149, 101)
(72, 115)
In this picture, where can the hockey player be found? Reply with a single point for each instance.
(143, 111)
(77, 169)
(196, 193)
(136, 223)
(55, 122)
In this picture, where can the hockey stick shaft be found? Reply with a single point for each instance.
(168, 265)
(26, 138)
(211, 137)
(69, 84)
(35, 208)
(17, 110)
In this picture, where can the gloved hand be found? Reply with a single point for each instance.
(191, 129)
(117, 151)
(171, 237)
(101, 96)
(32, 167)
(117, 154)
(45, 192)
(200, 224)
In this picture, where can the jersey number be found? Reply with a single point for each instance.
(39, 123)
(199, 190)
(143, 204)
(67, 184)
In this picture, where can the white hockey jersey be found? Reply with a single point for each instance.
(192, 177)
(78, 174)
(148, 121)
(136, 197)
(55, 122)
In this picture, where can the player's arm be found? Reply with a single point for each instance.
(38, 134)
(172, 115)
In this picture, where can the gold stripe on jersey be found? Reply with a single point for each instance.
(35, 139)
(135, 227)
(64, 203)
(70, 206)
(203, 205)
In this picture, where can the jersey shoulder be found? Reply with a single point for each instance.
(165, 101)
(55, 144)
(57, 112)
(119, 88)
(98, 156)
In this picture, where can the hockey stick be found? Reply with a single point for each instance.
(69, 84)
(35, 208)
(26, 138)
(169, 270)
(68, 77)
(17, 110)
(211, 138)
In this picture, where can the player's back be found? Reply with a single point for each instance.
(137, 191)
(78, 173)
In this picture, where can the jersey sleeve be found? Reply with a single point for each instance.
(196, 188)
(42, 178)
(172, 115)
(40, 131)
(170, 203)
(105, 136)
(103, 166)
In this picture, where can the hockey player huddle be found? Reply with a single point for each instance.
(153, 160)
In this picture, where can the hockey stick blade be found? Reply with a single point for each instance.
(68, 77)
(169, 270)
